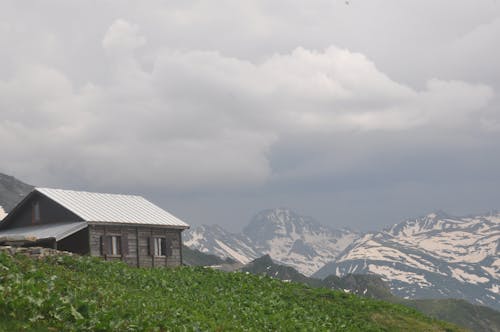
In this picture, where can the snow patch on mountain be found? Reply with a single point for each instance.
(402, 276)
(3, 214)
(435, 256)
(432, 256)
(217, 241)
(233, 253)
(295, 240)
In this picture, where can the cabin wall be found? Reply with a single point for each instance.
(138, 243)
(77, 242)
(50, 212)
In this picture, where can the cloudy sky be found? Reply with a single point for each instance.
(357, 113)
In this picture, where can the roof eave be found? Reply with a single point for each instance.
(8, 217)
(112, 223)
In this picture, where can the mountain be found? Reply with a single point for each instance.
(217, 241)
(364, 285)
(436, 256)
(295, 240)
(11, 192)
(193, 257)
(473, 317)
(290, 238)
(267, 267)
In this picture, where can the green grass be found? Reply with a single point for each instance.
(474, 317)
(81, 293)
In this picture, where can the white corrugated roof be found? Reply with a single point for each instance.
(97, 207)
(58, 231)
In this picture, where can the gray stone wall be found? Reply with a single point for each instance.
(35, 252)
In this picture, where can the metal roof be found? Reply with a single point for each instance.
(58, 231)
(112, 208)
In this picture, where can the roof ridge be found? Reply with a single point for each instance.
(85, 191)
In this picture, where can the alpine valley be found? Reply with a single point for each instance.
(435, 256)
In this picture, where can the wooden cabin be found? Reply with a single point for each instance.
(115, 227)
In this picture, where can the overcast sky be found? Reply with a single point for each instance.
(357, 113)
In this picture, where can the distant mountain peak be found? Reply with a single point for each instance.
(290, 238)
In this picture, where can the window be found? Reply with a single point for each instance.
(114, 245)
(35, 213)
(160, 246)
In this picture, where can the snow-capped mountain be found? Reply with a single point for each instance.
(431, 257)
(295, 240)
(289, 238)
(217, 241)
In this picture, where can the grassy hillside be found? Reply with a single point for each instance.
(474, 317)
(82, 293)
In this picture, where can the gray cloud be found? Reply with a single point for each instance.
(290, 101)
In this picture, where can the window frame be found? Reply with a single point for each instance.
(35, 216)
(159, 246)
(115, 245)
(112, 245)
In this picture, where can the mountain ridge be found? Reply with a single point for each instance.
(291, 239)
(435, 256)
(12, 191)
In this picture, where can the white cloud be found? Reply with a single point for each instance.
(200, 119)
(122, 37)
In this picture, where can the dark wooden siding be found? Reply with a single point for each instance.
(50, 212)
(77, 242)
(139, 238)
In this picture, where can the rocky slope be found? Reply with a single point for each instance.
(217, 241)
(289, 238)
(193, 257)
(436, 256)
(364, 285)
(11, 192)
